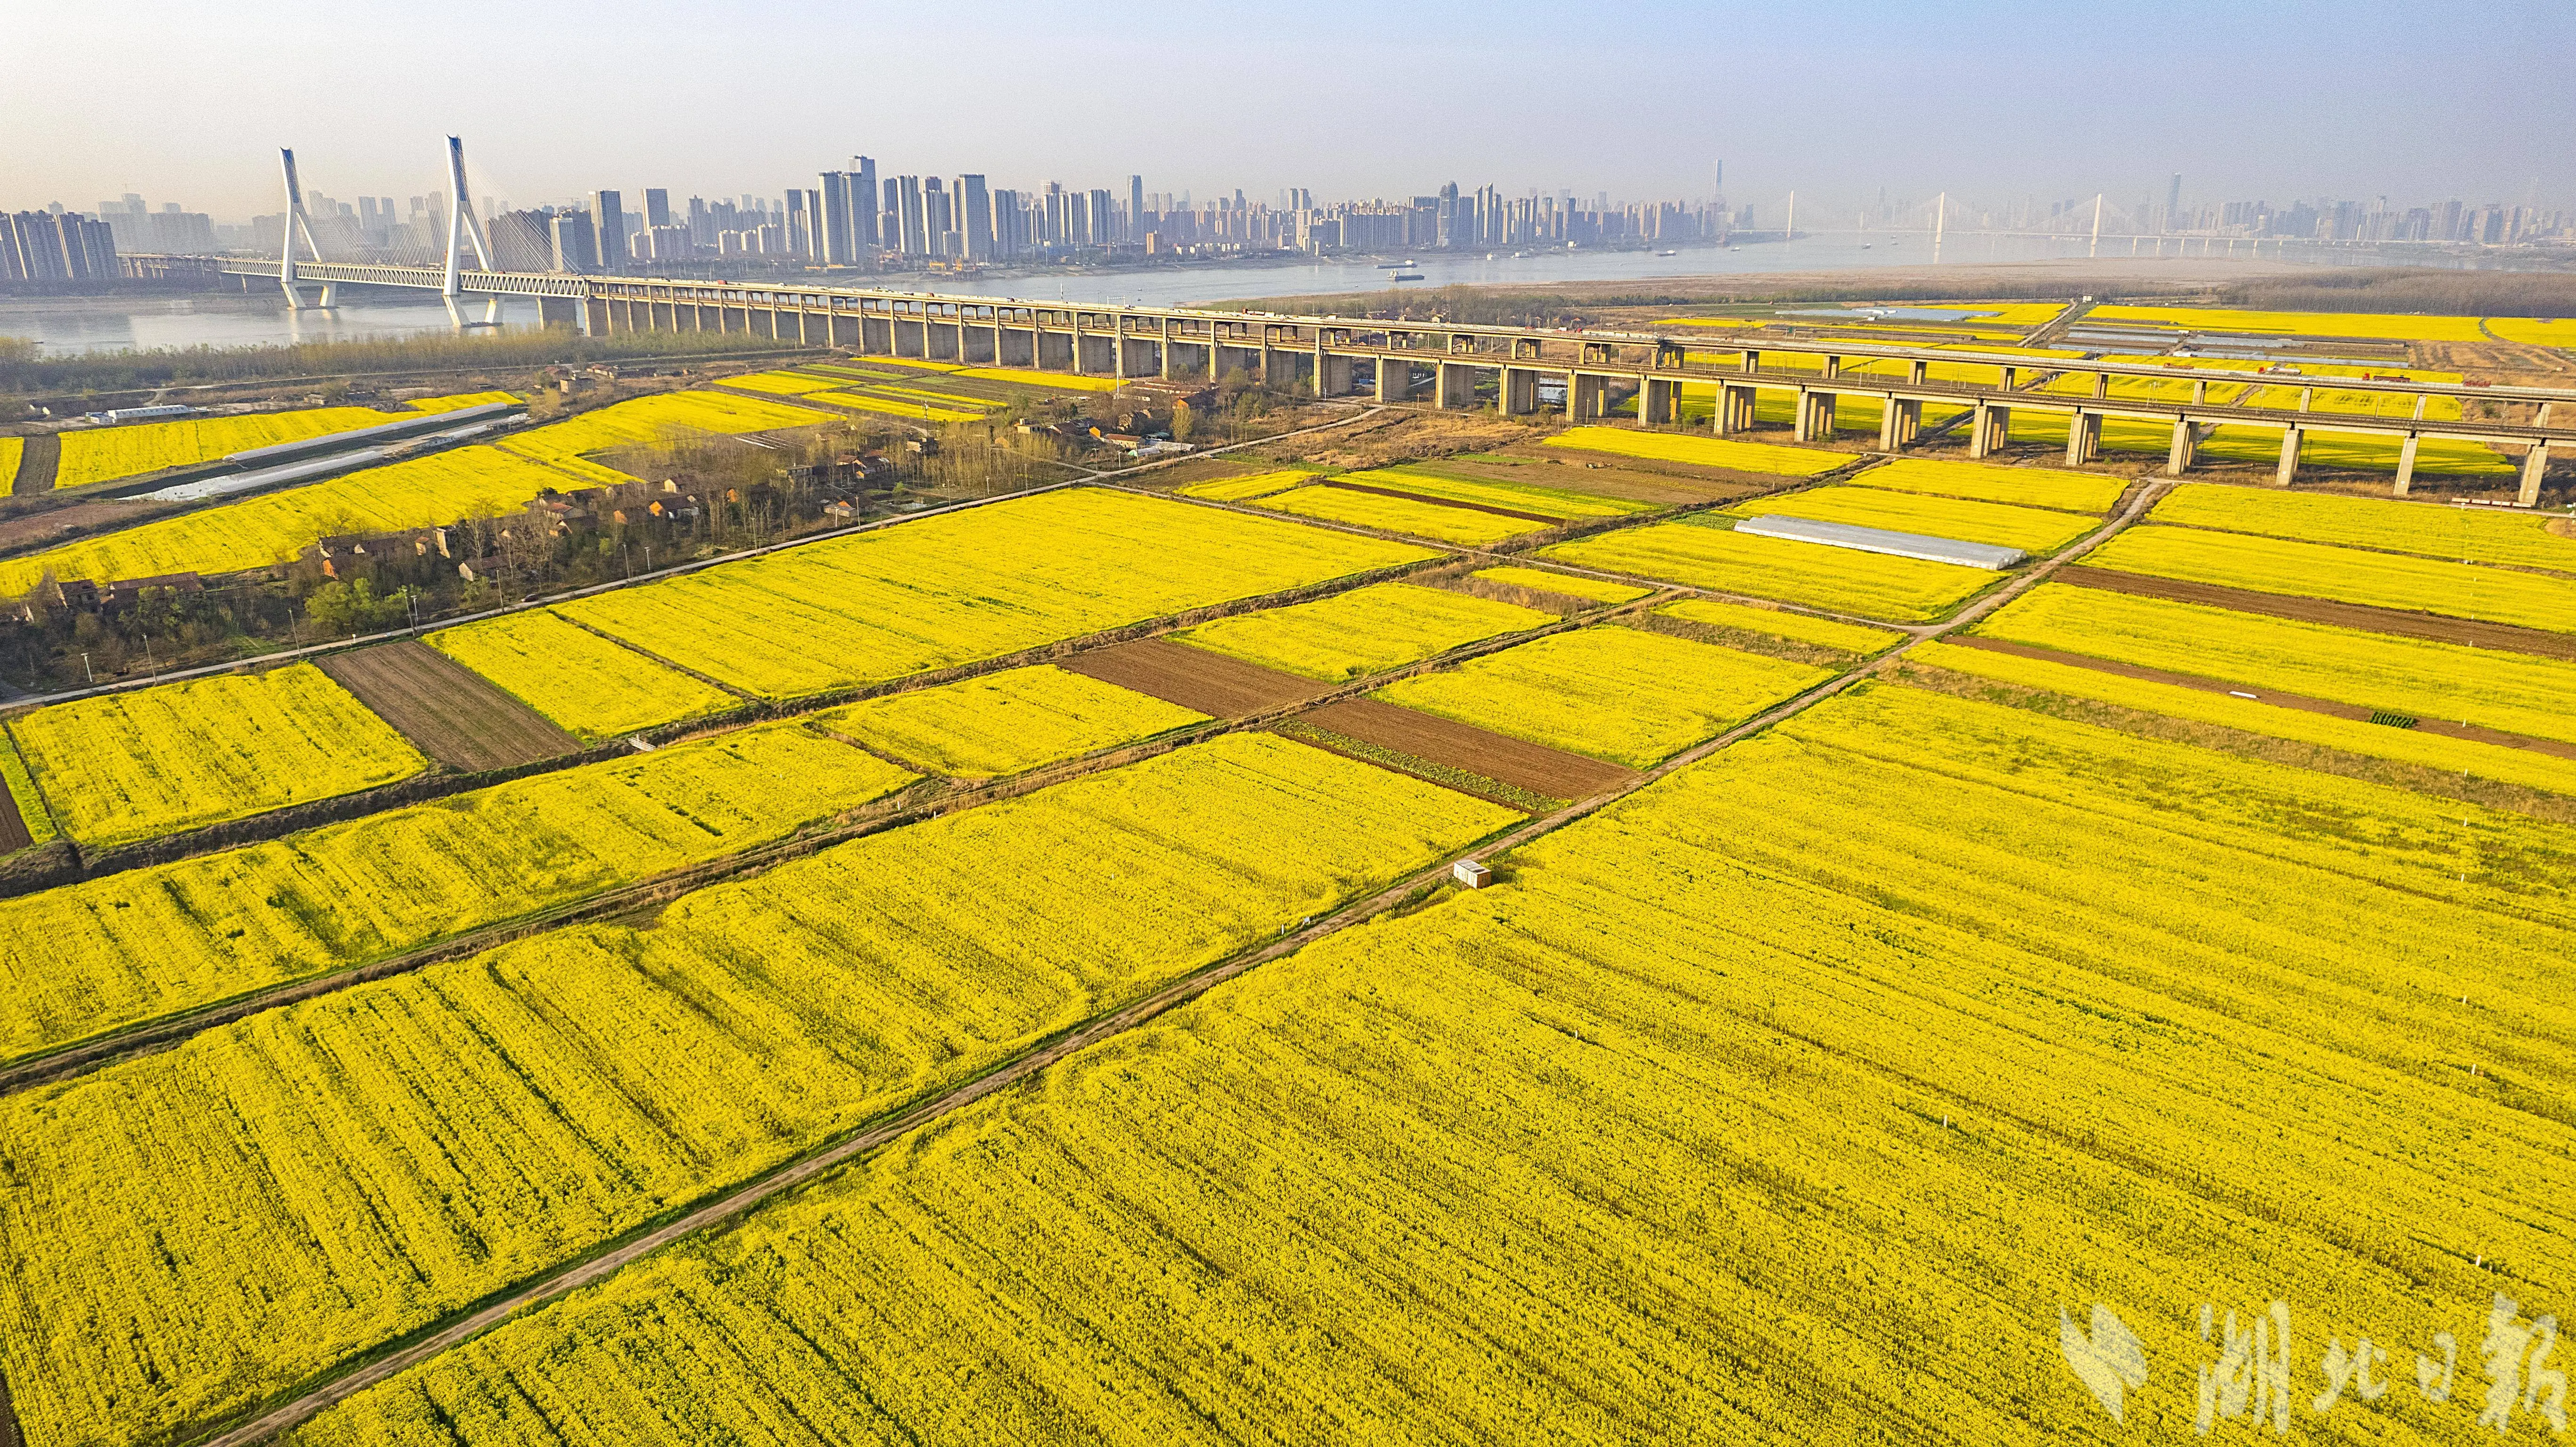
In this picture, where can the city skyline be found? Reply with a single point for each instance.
(1991, 108)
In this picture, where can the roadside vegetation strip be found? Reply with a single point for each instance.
(2351, 728)
(2034, 529)
(2384, 524)
(1004, 723)
(1851, 638)
(1364, 631)
(1620, 694)
(2512, 692)
(996, 580)
(1244, 489)
(576, 678)
(1840, 580)
(2020, 486)
(1673, 998)
(155, 761)
(85, 959)
(1409, 517)
(512, 1112)
(449, 712)
(1704, 451)
(2349, 575)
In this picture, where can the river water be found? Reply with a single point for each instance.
(95, 324)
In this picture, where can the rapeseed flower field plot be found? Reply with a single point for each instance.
(2428, 529)
(1244, 489)
(2032, 529)
(24, 795)
(456, 401)
(2020, 486)
(1568, 584)
(1904, 590)
(1368, 630)
(151, 761)
(277, 1196)
(2535, 331)
(656, 418)
(968, 585)
(2344, 575)
(1463, 526)
(580, 680)
(149, 942)
(273, 527)
(2526, 767)
(1020, 376)
(1781, 623)
(1620, 694)
(1702, 451)
(2394, 326)
(1005, 723)
(105, 454)
(948, 411)
(2515, 692)
(1555, 502)
(1799, 1133)
(11, 450)
(778, 384)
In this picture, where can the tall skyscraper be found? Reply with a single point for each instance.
(1135, 209)
(576, 242)
(978, 218)
(608, 222)
(2173, 203)
(911, 235)
(657, 206)
(845, 200)
(864, 231)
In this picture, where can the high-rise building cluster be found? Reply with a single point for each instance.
(56, 245)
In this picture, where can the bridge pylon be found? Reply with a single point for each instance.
(461, 224)
(299, 222)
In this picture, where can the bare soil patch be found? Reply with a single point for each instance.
(1193, 678)
(448, 711)
(1516, 762)
(38, 457)
(14, 835)
(1539, 468)
(1416, 437)
(1424, 497)
(37, 529)
(2508, 637)
(2257, 693)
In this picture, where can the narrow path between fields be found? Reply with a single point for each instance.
(558, 1283)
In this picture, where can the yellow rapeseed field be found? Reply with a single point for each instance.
(11, 448)
(1244, 489)
(660, 418)
(2465, 757)
(2516, 692)
(257, 532)
(2034, 529)
(150, 942)
(105, 454)
(1567, 583)
(778, 384)
(2427, 528)
(150, 761)
(1555, 502)
(459, 400)
(1005, 723)
(1022, 376)
(1620, 694)
(2021, 486)
(1781, 623)
(864, 402)
(969, 585)
(25, 797)
(1719, 1119)
(1904, 590)
(2535, 331)
(2397, 325)
(1364, 631)
(2345, 575)
(1463, 526)
(573, 676)
(1703, 451)
(278, 1196)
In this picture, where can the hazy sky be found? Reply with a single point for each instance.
(1990, 101)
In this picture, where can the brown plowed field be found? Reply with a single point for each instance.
(1193, 678)
(37, 459)
(37, 528)
(2505, 637)
(2260, 694)
(447, 710)
(1648, 482)
(1424, 497)
(13, 830)
(1516, 762)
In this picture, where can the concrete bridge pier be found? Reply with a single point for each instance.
(1394, 379)
(1989, 429)
(2083, 438)
(1279, 367)
(1587, 396)
(2292, 438)
(1815, 419)
(1332, 375)
(1518, 395)
(1735, 406)
(558, 311)
(1899, 425)
(1659, 402)
(594, 317)
(2406, 464)
(1457, 386)
(2534, 463)
(2185, 449)
(1215, 357)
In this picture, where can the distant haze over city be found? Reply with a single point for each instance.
(1867, 111)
